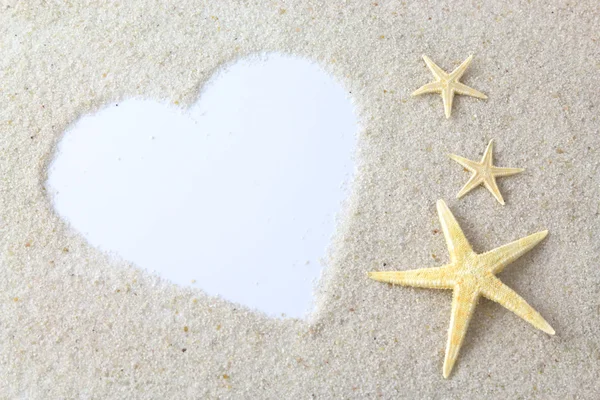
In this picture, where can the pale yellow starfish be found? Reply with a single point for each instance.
(484, 173)
(447, 84)
(470, 275)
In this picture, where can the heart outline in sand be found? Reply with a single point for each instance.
(121, 186)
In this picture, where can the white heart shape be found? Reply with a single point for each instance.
(239, 193)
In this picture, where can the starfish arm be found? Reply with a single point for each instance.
(460, 70)
(447, 97)
(433, 87)
(458, 245)
(492, 186)
(499, 172)
(463, 304)
(495, 260)
(435, 70)
(468, 164)
(435, 278)
(509, 299)
(463, 89)
(488, 155)
(471, 184)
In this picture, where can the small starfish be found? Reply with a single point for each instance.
(447, 84)
(470, 275)
(484, 173)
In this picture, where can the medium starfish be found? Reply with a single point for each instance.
(447, 84)
(470, 275)
(484, 173)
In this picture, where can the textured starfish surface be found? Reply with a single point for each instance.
(447, 84)
(470, 275)
(484, 173)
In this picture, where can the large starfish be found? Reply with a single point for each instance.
(470, 275)
(447, 84)
(484, 173)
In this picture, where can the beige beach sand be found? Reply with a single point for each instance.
(74, 324)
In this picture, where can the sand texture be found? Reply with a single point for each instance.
(74, 323)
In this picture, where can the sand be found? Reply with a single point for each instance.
(74, 323)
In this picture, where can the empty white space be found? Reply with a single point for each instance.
(236, 195)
